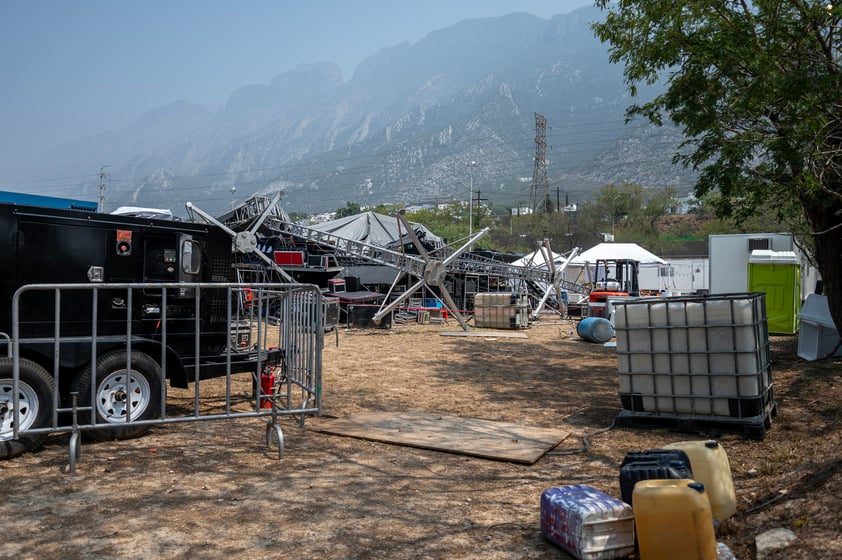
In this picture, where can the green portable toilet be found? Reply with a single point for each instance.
(778, 273)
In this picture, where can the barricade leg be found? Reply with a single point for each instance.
(280, 433)
(75, 450)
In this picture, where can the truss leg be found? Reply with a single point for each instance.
(543, 301)
(400, 299)
(454, 309)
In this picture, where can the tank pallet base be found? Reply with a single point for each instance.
(752, 428)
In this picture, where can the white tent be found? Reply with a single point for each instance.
(536, 259)
(617, 251)
(582, 269)
(376, 229)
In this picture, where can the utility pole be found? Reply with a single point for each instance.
(99, 207)
(471, 166)
(478, 202)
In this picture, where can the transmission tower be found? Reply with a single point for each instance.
(539, 195)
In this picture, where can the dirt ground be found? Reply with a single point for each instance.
(213, 490)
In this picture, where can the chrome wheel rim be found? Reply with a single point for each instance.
(27, 408)
(120, 391)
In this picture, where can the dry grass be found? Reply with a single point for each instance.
(212, 490)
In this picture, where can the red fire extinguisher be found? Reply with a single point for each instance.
(267, 387)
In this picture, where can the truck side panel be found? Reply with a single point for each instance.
(41, 245)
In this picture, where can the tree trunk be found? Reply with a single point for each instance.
(825, 218)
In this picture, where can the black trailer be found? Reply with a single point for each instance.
(104, 333)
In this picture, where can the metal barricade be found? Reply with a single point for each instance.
(228, 350)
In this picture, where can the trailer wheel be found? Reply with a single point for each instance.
(35, 405)
(117, 391)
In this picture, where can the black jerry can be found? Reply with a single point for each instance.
(657, 464)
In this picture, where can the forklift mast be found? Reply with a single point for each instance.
(617, 275)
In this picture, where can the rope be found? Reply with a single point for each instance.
(585, 441)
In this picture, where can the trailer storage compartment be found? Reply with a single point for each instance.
(695, 363)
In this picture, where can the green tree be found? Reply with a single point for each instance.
(629, 211)
(756, 88)
(387, 209)
(444, 222)
(350, 209)
(764, 220)
(522, 234)
(298, 216)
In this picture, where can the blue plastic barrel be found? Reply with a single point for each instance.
(595, 329)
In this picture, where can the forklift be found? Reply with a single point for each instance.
(614, 278)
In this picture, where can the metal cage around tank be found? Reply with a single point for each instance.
(695, 363)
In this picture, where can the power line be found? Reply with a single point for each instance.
(581, 141)
(360, 168)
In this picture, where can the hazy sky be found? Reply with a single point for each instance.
(77, 67)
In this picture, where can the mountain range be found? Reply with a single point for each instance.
(402, 129)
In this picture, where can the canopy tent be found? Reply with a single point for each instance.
(583, 269)
(537, 259)
(377, 229)
(618, 251)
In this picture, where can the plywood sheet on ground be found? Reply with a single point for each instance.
(486, 334)
(481, 438)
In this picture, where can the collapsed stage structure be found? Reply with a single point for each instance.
(407, 266)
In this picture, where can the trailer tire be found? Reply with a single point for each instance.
(111, 396)
(35, 400)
